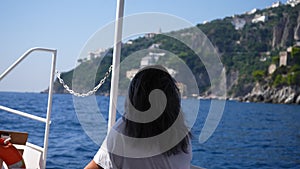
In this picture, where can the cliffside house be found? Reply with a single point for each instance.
(293, 3)
(283, 57)
(259, 18)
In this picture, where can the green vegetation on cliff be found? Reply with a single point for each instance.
(247, 47)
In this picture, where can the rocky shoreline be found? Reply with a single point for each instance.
(259, 93)
(283, 95)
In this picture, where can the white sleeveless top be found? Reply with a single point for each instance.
(161, 161)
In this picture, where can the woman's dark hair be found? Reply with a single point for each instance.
(145, 81)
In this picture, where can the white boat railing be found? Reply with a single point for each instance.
(46, 120)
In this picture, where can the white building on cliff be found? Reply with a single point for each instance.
(293, 3)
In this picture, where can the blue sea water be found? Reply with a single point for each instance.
(250, 135)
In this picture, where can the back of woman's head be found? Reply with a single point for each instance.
(146, 81)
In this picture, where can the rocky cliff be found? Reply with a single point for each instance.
(285, 95)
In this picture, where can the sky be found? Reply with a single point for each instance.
(66, 25)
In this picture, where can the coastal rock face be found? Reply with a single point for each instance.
(285, 95)
(298, 100)
(297, 30)
(287, 28)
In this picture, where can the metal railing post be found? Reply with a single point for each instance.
(49, 108)
(116, 64)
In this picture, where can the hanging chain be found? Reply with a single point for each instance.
(93, 91)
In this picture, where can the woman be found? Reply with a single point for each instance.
(152, 132)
